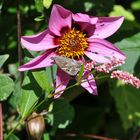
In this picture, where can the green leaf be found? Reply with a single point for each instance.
(23, 9)
(12, 10)
(39, 5)
(15, 99)
(88, 6)
(119, 10)
(61, 113)
(13, 137)
(46, 78)
(39, 18)
(131, 47)
(3, 58)
(30, 92)
(135, 5)
(6, 86)
(47, 3)
(43, 80)
(46, 136)
(13, 70)
(127, 102)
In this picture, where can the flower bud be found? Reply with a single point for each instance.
(35, 126)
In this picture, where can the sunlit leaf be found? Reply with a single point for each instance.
(131, 47)
(119, 10)
(3, 58)
(88, 6)
(39, 18)
(6, 86)
(43, 80)
(47, 3)
(39, 5)
(46, 136)
(135, 5)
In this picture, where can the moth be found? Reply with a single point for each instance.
(70, 66)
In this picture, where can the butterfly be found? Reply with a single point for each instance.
(68, 65)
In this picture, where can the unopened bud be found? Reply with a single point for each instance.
(35, 126)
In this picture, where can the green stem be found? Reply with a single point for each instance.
(1, 127)
(102, 77)
(8, 135)
(52, 95)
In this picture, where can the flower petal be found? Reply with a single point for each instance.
(89, 84)
(62, 80)
(103, 51)
(106, 26)
(60, 17)
(79, 17)
(85, 22)
(44, 60)
(39, 42)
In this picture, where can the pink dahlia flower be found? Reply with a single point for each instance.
(73, 36)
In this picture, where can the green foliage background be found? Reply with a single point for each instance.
(114, 113)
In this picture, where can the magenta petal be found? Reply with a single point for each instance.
(86, 23)
(89, 84)
(62, 80)
(44, 60)
(60, 17)
(106, 26)
(103, 51)
(39, 42)
(79, 17)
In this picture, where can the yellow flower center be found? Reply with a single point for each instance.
(72, 44)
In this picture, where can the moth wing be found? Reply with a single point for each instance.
(70, 66)
(75, 67)
(60, 61)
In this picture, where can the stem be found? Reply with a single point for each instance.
(18, 38)
(1, 127)
(102, 77)
(52, 76)
(136, 134)
(52, 95)
(20, 121)
(90, 136)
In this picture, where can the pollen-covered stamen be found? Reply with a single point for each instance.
(72, 44)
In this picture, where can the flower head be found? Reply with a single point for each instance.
(126, 77)
(74, 36)
(107, 67)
